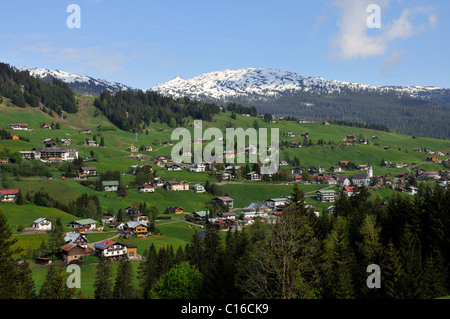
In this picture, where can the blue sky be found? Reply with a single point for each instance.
(143, 43)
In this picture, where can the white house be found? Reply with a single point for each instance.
(84, 223)
(198, 188)
(147, 188)
(200, 167)
(42, 224)
(273, 203)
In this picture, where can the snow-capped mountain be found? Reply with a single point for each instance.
(263, 85)
(78, 83)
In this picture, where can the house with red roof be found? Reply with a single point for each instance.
(349, 190)
(8, 195)
(110, 249)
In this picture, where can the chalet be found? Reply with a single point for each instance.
(88, 224)
(90, 143)
(224, 224)
(290, 134)
(107, 219)
(336, 169)
(4, 161)
(55, 154)
(230, 215)
(46, 127)
(140, 229)
(351, 137)
(417, 149)
(19, 127)
(85, 131)
(175, 210)
(200, 167)
(133, 149)
(8, 195)
(87, 171)
(344, 181)
(148, 148)
(72, 252)
(433, 159)
(411, 190)
(252, 176)
(429, 174)
(116, 225)
(110, 249)
(304, 134)
(229, 154)
(42, 224)
(76, 238)
(158, 182)
(224, 200)
(401, 165)
(198, 188)
(131, 210)
(343, 163)
(174, 167)
(139, 217)
(147, 188)
(295, 145)
(227, 176)
(15, 137)
(177, 185)
(255, 210)
(331, 180)
(349, 190)
(326, 195)
(65, 141)
(297, 178)
(49, 142)
(110, 186)
(274, 203)
(202, 215)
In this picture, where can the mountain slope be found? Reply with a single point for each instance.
(78, 83)
(408, 109)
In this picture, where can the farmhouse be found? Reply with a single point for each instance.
(107, 219)
(76, 238)
(42, 224)
(177, 185)
(275, 203)
(85, 131)
(9, 195)
(90, 143)
(147, 188)
(224, 224)
(133, 149)
(139, 229)
(198, 188)
(110, 186)
(88, 224)
(252, 176)
(72, 252)
(19, 127)
(224, 200)
(175, 210)
(202, 215)
(349, 190)
(200, 167)
(429, 174)
(110, 249)
(65, 141)
(87, 171)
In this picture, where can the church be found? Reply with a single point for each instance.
(363, 179)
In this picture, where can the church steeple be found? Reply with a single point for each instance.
(370, 170)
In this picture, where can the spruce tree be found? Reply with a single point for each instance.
(148, 272)
(103, 280)
(123, 288)
(55, 285)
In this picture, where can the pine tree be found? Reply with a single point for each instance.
(24, 284)
(148, 272)
(123, 288)
(103, 280)
(55, 285)
(391, 273)
(7, 261)
(411, 285)
(339, 262)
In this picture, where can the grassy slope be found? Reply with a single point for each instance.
(178, 233)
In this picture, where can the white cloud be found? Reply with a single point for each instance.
(353, 39)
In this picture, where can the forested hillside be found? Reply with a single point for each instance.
(22, 89)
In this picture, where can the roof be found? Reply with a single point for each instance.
(224, 198)
(89, 168)
(71, 236)
(110, 183)
(68, 246)
(361, 176)
(9, 192)
(349, 188)
(39, 220)
(280, 199)
(104, 244)
(132, 224)
(202, 213)
(326, 191)
(85, 221)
